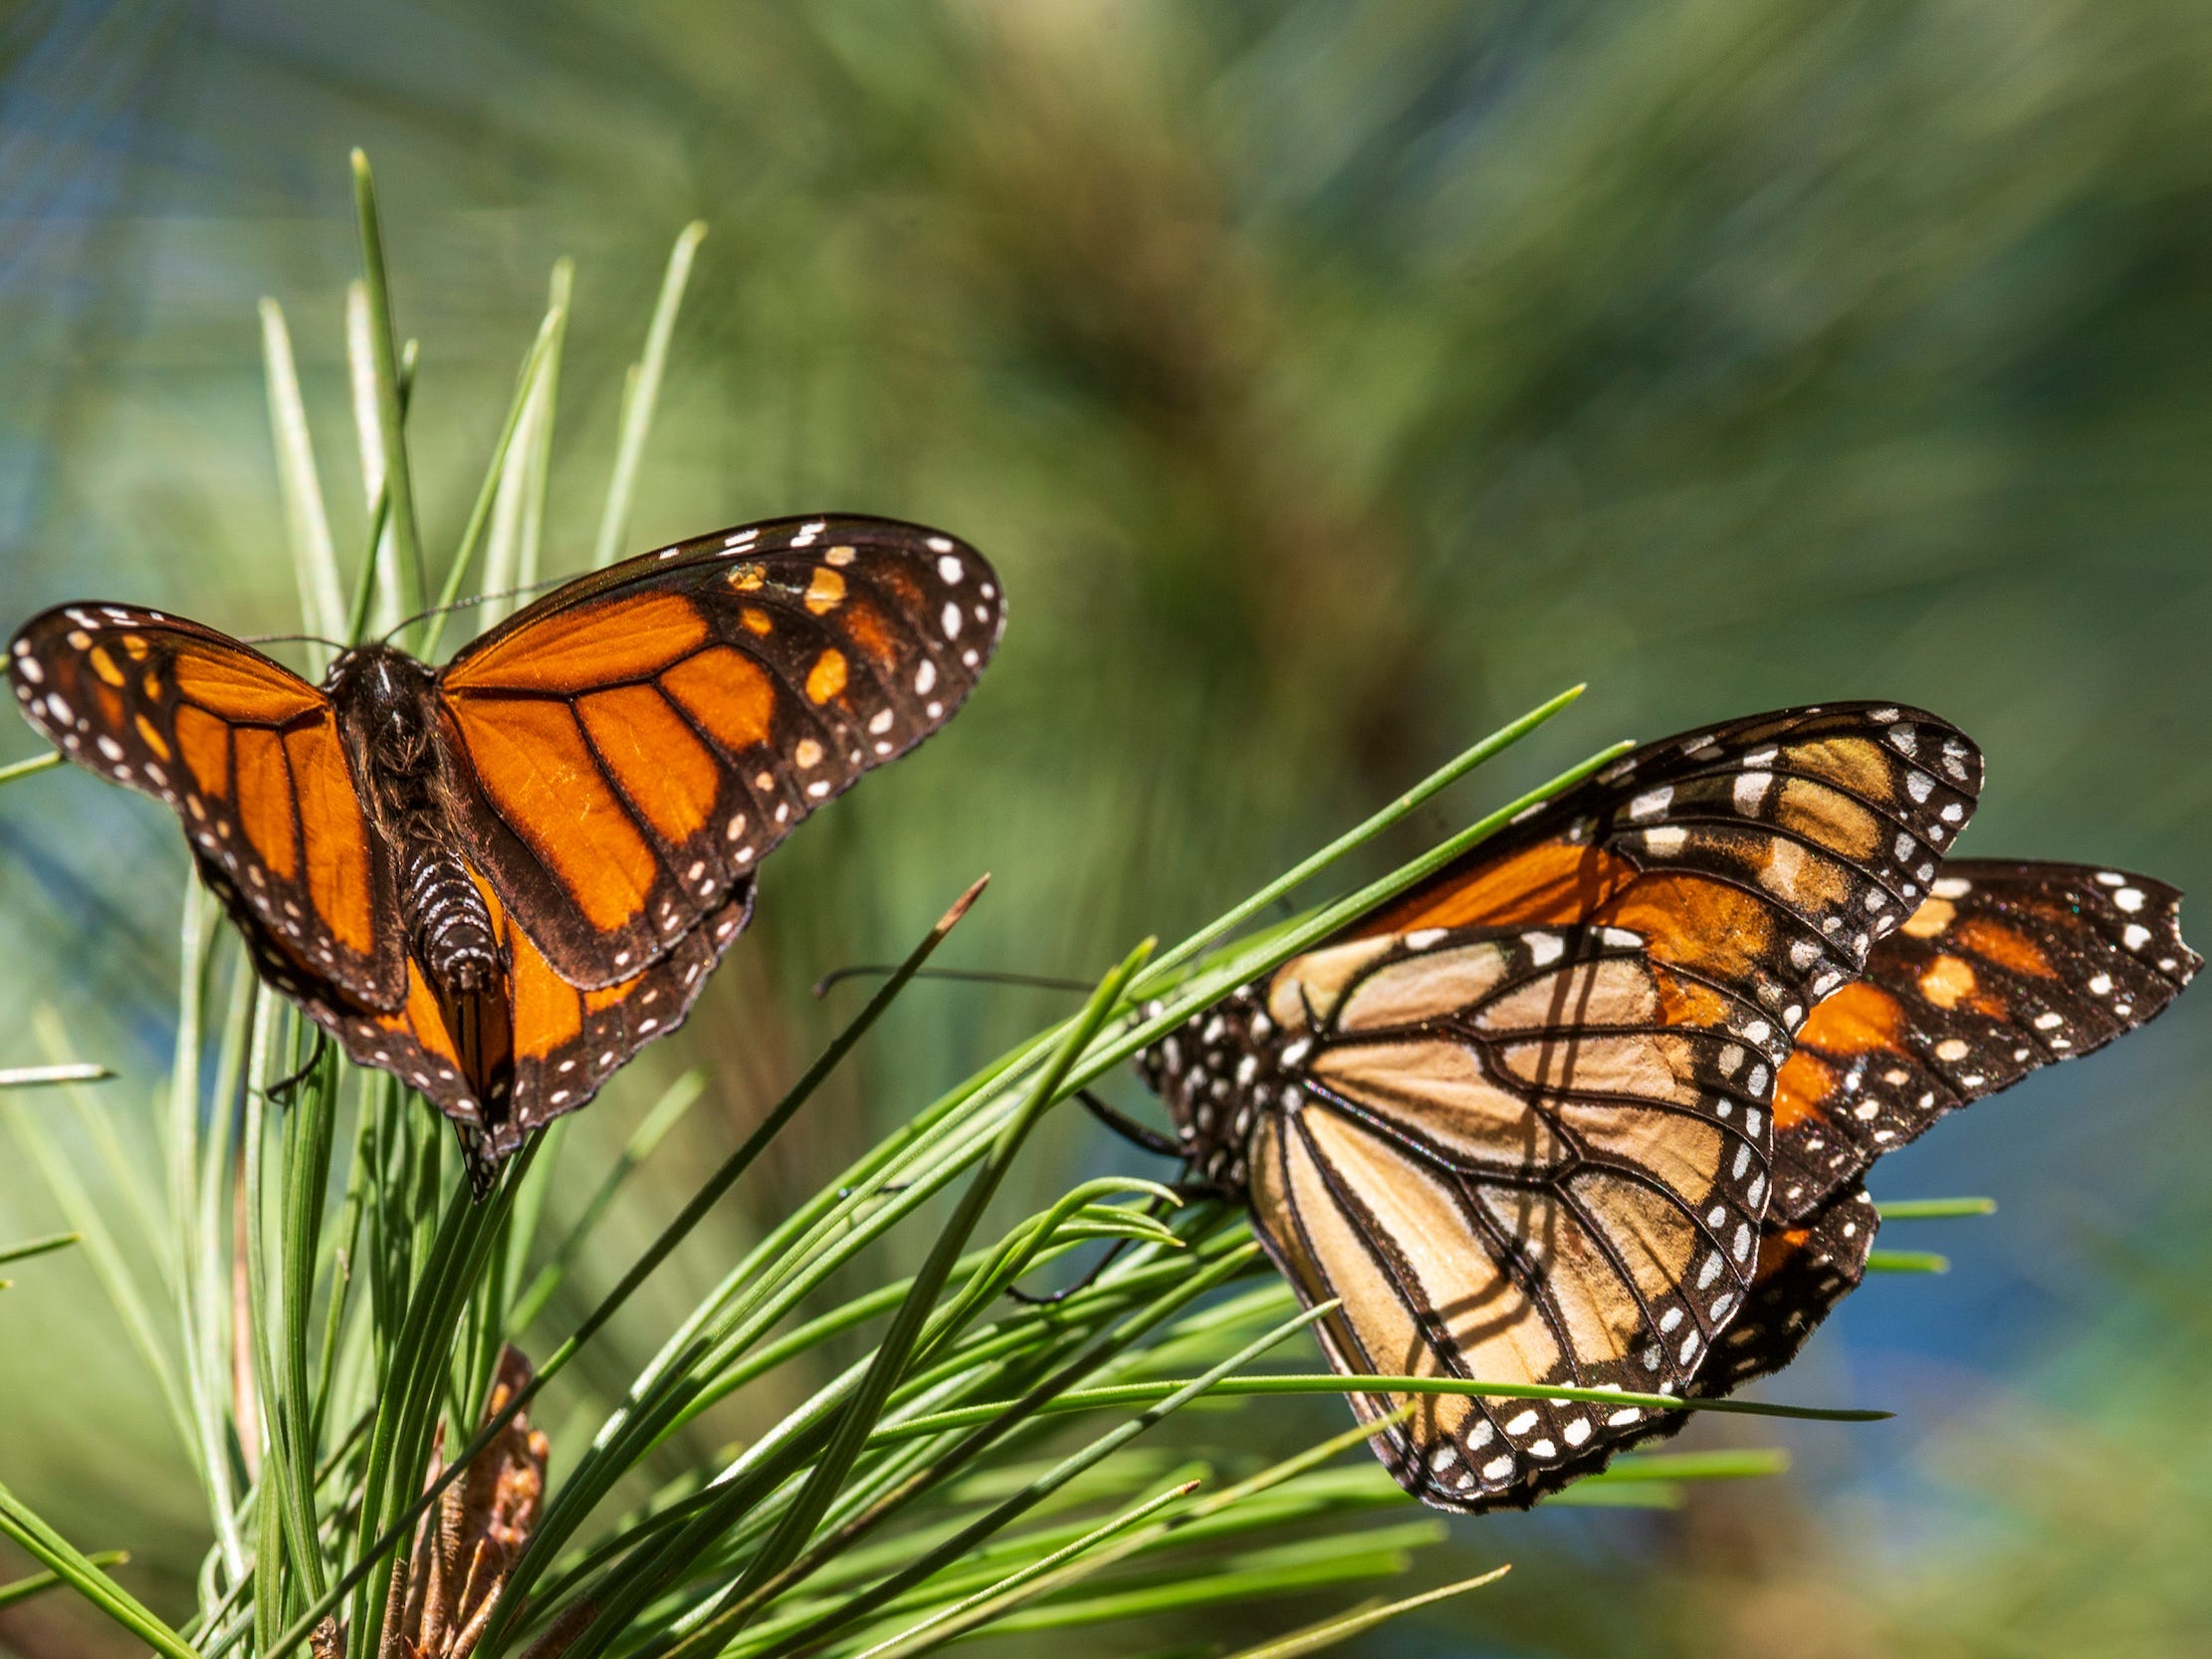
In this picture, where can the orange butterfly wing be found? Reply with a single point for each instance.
(249, 756)
(1770, 852)
(559, 1045)
(639, 740)
(2007, 967)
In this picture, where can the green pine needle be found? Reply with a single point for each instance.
(641, 397)
(384, 359)
(1906, 1260)
(39, 1247)
(1329, 1632)
(24, 769)
(1137, 1393)
(84, 1574)
(40, 1077)
(22, 1590)
(1935, 1208)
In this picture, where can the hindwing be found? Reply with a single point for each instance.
(1805, 1271)
(557, 1045)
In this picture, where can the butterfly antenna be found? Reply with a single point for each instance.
(974, 976)
(406, 622)
(294, 639)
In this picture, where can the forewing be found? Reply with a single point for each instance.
(642, 738)
(1763, 856)
(1534, 1157)
(2006, 967)
(249, 756)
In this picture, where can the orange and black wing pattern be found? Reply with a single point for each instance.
(249, 756)
(1519, 1121)
(638, 741)
(1766, 853)
(556, 1045)
(585, 793)
(2004, 967)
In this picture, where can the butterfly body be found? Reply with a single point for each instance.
(387, 714)
(498, 879)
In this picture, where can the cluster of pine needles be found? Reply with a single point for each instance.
(339, 1331)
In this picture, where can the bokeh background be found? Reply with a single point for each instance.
(1329, 381)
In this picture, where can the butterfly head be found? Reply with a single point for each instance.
(387, 701)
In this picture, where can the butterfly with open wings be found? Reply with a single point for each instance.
(1588, 1106)
(499, 878)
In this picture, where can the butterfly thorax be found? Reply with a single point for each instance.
(388, 710)
(1215, 1074)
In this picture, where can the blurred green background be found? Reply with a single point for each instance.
(1328, 382)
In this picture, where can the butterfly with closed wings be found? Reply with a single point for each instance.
(499, 880)
(1587, 1107)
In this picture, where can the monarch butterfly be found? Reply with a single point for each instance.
(1589, 1106)
(499, 880)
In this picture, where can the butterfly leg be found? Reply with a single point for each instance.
(1033, 1300)
(481, 1156)
(1136, 1133)
(283, 1087)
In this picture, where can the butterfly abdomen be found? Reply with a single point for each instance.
(449, 928)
